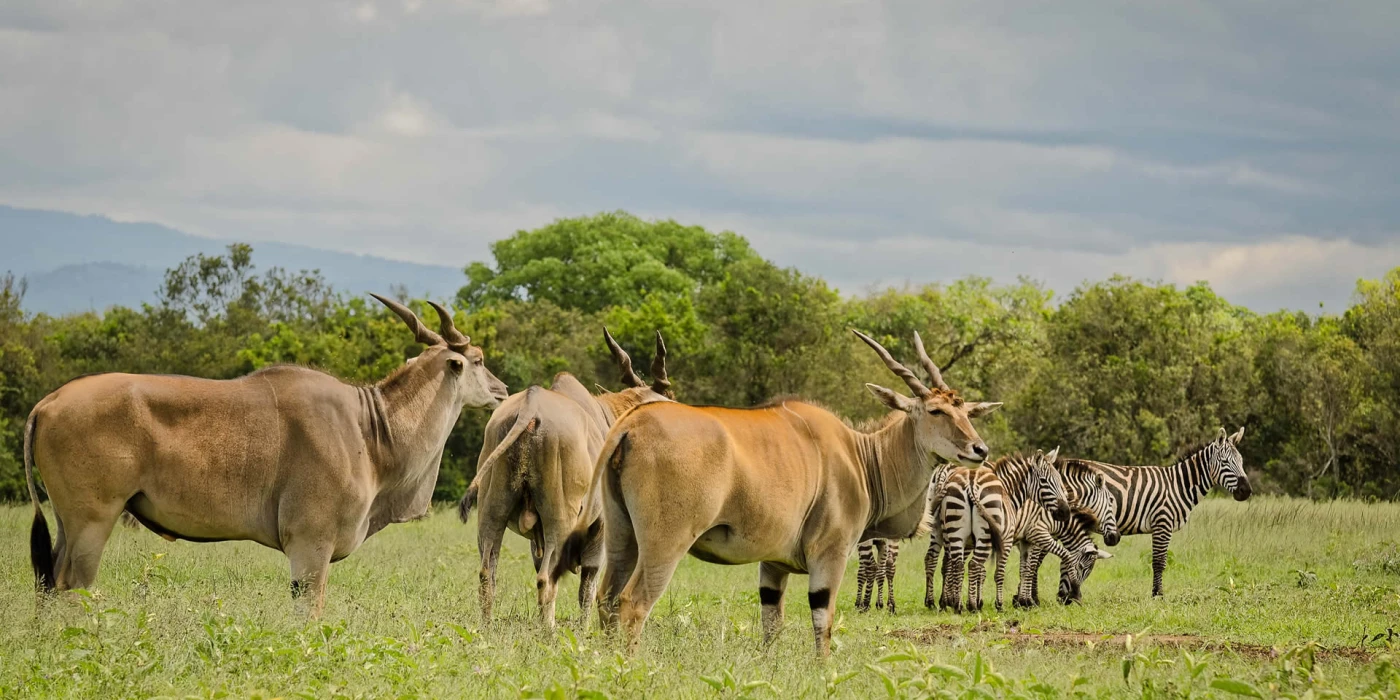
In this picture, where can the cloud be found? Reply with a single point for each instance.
(866, 142)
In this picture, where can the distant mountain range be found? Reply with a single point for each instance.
(80, 263)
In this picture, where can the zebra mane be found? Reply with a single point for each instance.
(1194, 450)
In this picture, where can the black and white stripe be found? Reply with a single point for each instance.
(984, 508)
(1158, 500)
(1068, 539)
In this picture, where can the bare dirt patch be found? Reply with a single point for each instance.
(1068, 639)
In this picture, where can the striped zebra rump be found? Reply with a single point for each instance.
(973, 516)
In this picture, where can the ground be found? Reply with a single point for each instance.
(1273, 596)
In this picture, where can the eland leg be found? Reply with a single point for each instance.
(82, 537)
(655, 566)
(593, 559)
(772, 590)
(490, 530)
(310, 559)
(825, 578)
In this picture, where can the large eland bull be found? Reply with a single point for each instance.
(288, 457)
(788, 485)
(535, 477)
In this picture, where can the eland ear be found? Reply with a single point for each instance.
(979, 409)
(1104, 554)
(1238, 436)
(1054, 454)
(892, 398)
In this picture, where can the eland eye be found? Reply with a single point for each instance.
(935, 411)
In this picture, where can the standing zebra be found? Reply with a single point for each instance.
(984, 507)
(1095, 510)
(1158, 500)
(878, 556)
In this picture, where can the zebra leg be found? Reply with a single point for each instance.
(1037, 557)
(1022, 597)
(977, 573)
(1000, 556)
(952, 577)
(864, 574)
(930, 569)
(1161, 539)
(879, 570)
(891, 555)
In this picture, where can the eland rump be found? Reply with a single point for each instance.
(288, 457)
(788, 485)
(536, 477)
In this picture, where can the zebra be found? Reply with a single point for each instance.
(877, 556)
(1158, 500)
(981, 507)
(1094, 509)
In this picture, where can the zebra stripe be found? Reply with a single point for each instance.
(982, 507)
(1095, 510)
(1158, 500)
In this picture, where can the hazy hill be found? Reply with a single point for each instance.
(76, 263)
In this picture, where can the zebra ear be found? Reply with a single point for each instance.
(1054, 454)
(1104, 554)
(1223, 434)
(1238, 436)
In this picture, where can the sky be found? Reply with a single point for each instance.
(1252, 145)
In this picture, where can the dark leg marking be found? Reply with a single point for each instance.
(818, 599)
(769, 596)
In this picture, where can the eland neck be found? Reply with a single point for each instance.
(418, 411)
(897, 472)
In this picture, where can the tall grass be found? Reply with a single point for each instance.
(402, 619)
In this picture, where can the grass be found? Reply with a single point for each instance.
(1273, 596)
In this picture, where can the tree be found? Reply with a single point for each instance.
(592, 263)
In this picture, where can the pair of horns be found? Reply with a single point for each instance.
(903, 372)
(448, 335)
(659, 383)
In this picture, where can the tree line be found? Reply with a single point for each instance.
(1119, 370)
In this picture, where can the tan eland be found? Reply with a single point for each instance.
(288, 457)
(535, 477)
(788, 485)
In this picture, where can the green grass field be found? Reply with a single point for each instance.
(1249, 587)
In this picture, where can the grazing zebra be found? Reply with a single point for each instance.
(983, 507)
(1095, 511)
(1158, 500)
(878, 556)
(1084, 554)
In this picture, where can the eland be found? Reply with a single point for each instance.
(288, 457)
(535, 477)
(788, 485)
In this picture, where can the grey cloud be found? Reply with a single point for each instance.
(1010, 133)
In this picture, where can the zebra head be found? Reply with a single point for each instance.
(1076, 571)
(1050, 488)
(1099, 504)
(1229, 465)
